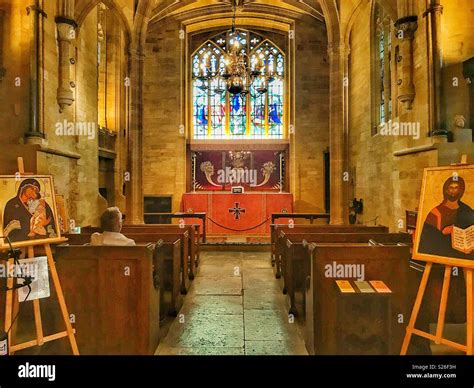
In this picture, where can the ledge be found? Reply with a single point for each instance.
(415, 150)
(65, 154)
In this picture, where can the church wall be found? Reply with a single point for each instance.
(311, 119)
(391, 184)
(164, 151)
(14, 90)
(75, 177)
(370, 157)
(388, 184)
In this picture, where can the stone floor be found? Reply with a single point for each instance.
(234, 307)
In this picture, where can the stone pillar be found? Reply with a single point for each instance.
(405, 33)
(387, 84)
(3, 71)
(134, 186)
(435, 11)
(35, 133)
(468, 72)
(66, 33)
(338, 183)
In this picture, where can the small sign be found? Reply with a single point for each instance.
(37, 268)
(3, 344)
(237, 190)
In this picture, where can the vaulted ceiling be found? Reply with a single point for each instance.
(209, 9)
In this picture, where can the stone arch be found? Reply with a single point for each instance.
(115, 9)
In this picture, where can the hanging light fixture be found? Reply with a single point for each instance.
(240, 71)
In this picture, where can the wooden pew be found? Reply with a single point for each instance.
(193, 244)
(387, 263)
(169, 259)
(111, 292)
(295, 255)
(188, 244)
(278, 244)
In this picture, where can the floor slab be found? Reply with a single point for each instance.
(271, 300)
(217, 285)
(208, 330)
(275, 348)
(212, 304)
(269, 325)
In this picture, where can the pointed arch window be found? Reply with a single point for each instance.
(218, 114)
(381, 68)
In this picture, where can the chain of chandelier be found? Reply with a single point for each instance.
(239, 72)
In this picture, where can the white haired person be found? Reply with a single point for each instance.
(111, 224)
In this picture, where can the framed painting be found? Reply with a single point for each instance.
(445, 225)
(28, 214)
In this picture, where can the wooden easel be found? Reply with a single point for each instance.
(468, 266)
(12, 308)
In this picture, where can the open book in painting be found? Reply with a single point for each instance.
(463, 239)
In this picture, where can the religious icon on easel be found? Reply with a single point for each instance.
(444, 235)
(27, 209)
(446, 217)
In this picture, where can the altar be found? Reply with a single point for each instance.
(246, 214)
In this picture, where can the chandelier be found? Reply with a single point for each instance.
(240, 71)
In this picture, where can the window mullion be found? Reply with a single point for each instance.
(247, 113)
(267, 99)
(227, 114)
(209, 113)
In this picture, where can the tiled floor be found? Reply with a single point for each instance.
(234, 307)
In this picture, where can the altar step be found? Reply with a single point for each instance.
(236, 243)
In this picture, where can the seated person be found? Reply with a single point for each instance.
(111, 224)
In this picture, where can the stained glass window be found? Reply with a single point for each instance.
(218, 114)
(381, 70)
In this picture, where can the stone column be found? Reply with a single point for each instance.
(435, 11)
(3, 71)
(387, 84)
(338, 183)
(66, 33)
(35, 132)
(134, 186)
(405, 33)
(468, 72)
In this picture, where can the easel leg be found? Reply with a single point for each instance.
(62, 302)
(469, 313)
(442, 304)
(37, 310)
(416, 308)
(8, 304)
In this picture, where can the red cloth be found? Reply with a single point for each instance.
(258, 207)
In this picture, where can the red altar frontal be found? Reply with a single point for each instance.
(239, 212)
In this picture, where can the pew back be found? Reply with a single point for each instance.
(387, 263)
(103, 285)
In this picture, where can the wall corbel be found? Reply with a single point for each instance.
(66, 27)
(405, 33)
